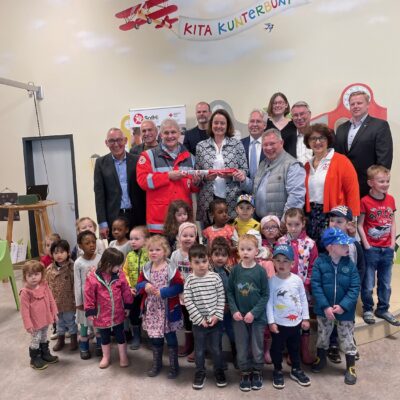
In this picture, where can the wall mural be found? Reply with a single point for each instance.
(159, 13)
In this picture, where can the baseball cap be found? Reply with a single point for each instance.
(285, 250)
(335, 236)
(245, 198)
(341, 211)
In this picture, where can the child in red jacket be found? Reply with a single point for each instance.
(38, 310)
(108, 298)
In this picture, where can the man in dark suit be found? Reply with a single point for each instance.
(365, 140)
(252, 143)
(294, 144)
(197, 134)
(115, 187)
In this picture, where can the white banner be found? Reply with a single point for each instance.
(221, 28)
(157, 114)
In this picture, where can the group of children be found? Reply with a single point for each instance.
(258, 282)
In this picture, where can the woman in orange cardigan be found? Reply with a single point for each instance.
(331, 180)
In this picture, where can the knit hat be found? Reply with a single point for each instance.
(269, 218)
(341, 211)
(335, 236)
(183, 226)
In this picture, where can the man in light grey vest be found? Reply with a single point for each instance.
(279, 182)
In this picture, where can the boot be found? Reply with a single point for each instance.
(123, 355)
(105, 361)
(188, 347)
(190, 357)
(234, 353)
(36, 359)
(60, 343)
(350, 377)
(157, 361)
(74, 342)
(135, 343)
(320, 363)
(267, 347)
(84, 348)
(46, 356)
(173, 362)
(306, 356)
(98, 351)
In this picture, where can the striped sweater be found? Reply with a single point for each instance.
(204, 297)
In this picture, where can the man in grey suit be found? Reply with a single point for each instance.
(115, 187)
(365, 140)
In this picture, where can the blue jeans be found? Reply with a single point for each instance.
(379, 260)
(213, 335)
(66, 322)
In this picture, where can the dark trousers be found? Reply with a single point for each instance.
(118, 330)
(134, 313)
(186, 320)
(170, 338)
(201, 336)
(289, 335)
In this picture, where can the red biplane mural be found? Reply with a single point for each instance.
(147, 12)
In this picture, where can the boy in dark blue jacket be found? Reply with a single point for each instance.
(335, 284)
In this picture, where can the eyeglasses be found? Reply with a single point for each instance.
(300, 114)
(114, 141)
(315, 139)
(270, 228)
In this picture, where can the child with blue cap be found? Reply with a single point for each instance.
(335, 284)
(287, 314)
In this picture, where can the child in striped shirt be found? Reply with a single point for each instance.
(205, 300)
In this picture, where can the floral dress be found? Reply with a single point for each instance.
(155, 320)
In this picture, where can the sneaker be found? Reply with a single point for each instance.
(199, 379)
(220, 379)
(256, 380)
(54, 336)
(278, 381)
(368, 317)
(334, 355)
(245, 382)
(350, 377)
(357, 356)
(300, 377)
(387, 316)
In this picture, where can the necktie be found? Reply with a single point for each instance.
(253, 159)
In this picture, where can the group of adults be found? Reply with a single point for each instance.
(284, 162)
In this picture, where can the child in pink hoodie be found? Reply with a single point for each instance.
(38, 310)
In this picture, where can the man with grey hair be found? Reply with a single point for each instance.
(294, 145)
(252, 143)
(365, 140)
(279, 182)
(116, 190)
(149, 133)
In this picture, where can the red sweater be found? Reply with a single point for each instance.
(341, 185)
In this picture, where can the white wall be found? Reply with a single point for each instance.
(92, 72)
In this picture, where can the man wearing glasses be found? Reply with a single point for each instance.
(301, 116)
(279, 181)
(115, 187)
